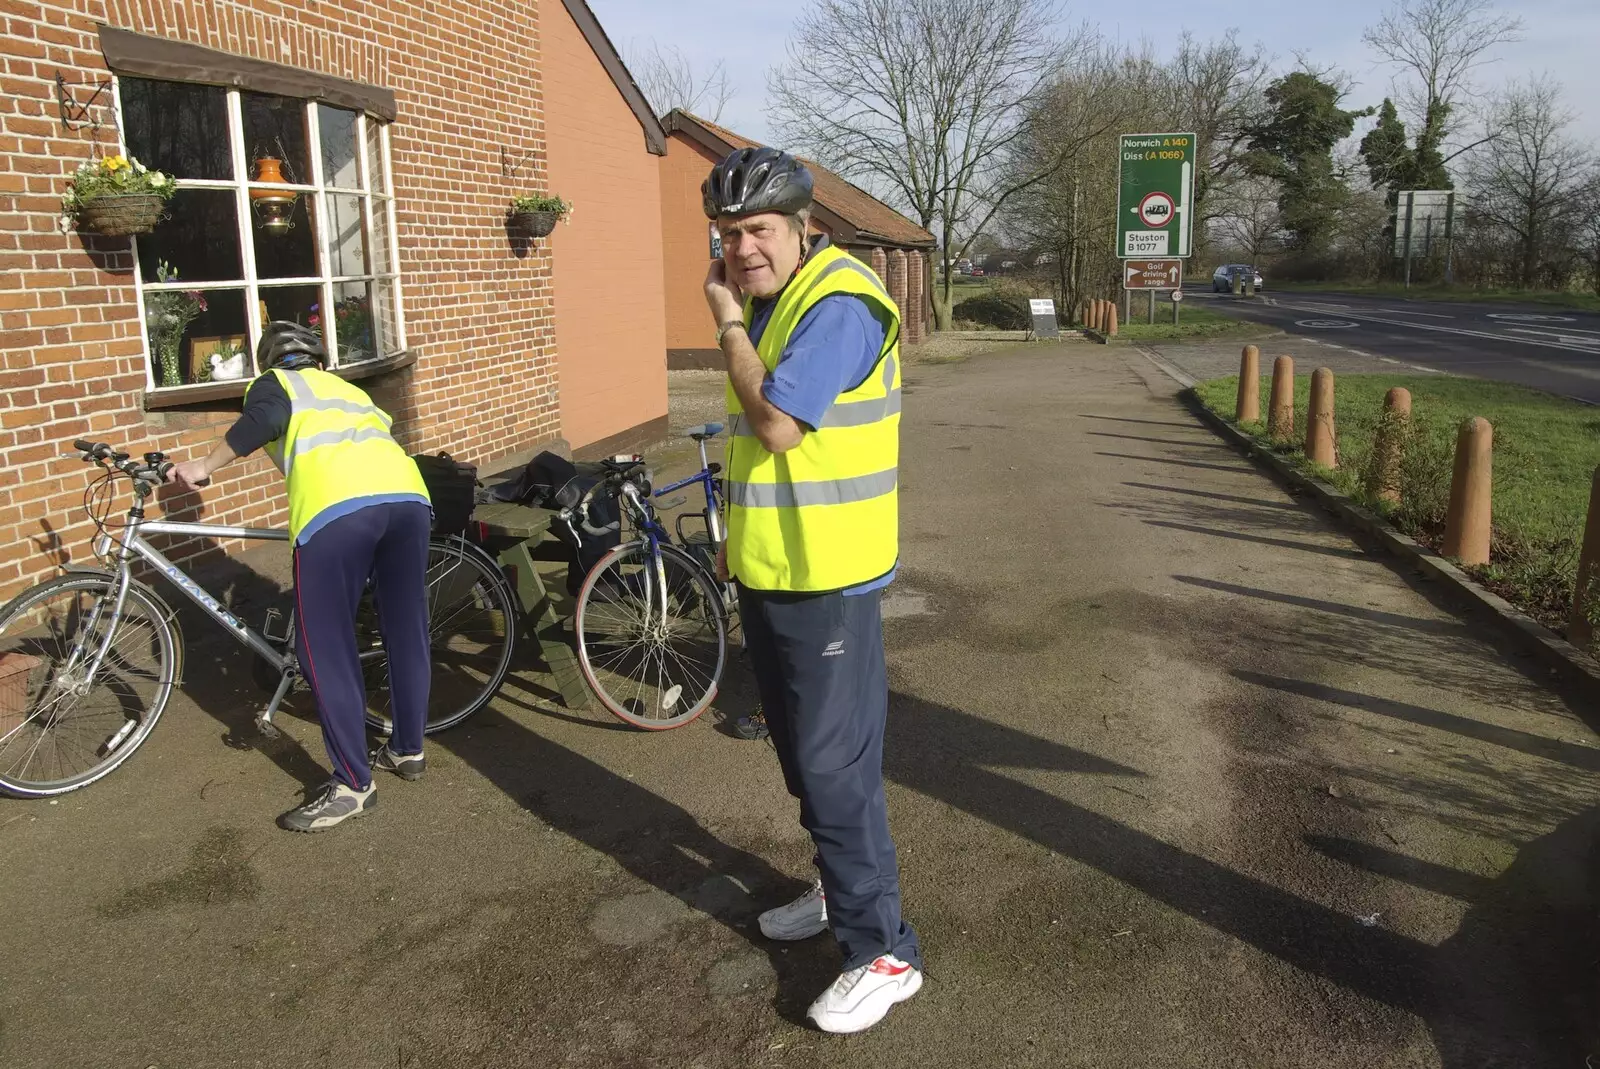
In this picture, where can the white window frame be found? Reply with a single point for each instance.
(372, 201)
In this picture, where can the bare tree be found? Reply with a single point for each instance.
(1070, 213)
(1251, 220)
(921, 101)
(1215, 90)
(1589, 236)
(1529, 182)
(669, 79)
(1436, 45)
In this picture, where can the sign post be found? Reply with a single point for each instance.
(1150, 276)
(1419, 216)
(1155, 190)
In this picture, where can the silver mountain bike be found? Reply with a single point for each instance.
(88, 660)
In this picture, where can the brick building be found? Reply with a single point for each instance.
(900, 251)
(401, 129)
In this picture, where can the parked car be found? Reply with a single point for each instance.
(1222, 278)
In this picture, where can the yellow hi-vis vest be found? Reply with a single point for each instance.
(337, 447)
(824, 515)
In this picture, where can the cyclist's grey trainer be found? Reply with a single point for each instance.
(406, 766)
(803, 918)
(335, 804)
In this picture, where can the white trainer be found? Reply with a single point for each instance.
(803, 918)
(862, 997)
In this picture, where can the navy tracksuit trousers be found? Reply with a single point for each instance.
(819, 665)
(387, 542)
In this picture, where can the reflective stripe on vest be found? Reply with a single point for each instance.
(336, 448)
(848, 413)
(823, 515)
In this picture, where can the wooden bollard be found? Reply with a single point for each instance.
(1247, 409)
(1320, 443)
(1100, 315)
(1091, 312)
(1280, 406)
(1111, 319)
(1579, 631)
(1391, 432)
(1467, 519)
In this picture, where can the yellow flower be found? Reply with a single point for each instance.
(115, 163)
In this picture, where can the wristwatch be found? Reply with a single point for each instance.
(723, 328)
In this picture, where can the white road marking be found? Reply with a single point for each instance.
(1564, 369)
(1459, 331)
(1593, 344)
(1407, 312)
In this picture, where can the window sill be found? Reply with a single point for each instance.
(181, 397)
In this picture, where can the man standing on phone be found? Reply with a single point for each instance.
(811, 340)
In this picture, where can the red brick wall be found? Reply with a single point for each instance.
(610, 311)
(912, 311)
(467, 76)
(895, 281)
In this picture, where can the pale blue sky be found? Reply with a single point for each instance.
(1561, 37)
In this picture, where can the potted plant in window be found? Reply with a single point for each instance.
(117, 196)
(538, 215)
(353, 315)
(167, 314)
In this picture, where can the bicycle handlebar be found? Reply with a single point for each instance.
(155, 470)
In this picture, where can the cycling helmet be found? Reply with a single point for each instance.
(752, 180)
(289, 346)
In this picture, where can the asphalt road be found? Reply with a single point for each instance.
(1547, 348)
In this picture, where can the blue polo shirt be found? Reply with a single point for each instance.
(831, 351)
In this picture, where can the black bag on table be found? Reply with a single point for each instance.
(452, 487)
(550, 481)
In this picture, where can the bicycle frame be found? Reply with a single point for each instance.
(133, 544)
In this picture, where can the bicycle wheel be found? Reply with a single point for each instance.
(651, 636)
(59, 728)
(472, 624)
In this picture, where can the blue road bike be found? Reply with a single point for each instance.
(652, 619)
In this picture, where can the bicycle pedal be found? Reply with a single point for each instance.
(267, 728)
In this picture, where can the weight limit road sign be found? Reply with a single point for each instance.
(1152, 274)
(1154, 188)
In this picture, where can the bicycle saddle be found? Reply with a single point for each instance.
(704, 431)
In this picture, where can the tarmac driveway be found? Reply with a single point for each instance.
(1180, 776)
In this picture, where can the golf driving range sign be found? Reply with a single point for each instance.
(1154, 188)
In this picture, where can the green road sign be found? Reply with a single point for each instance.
(1155, 184)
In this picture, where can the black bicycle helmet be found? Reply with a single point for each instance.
(752, 180)
(289, 346)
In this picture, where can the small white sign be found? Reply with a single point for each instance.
(1177, 295)
(1138, 243)
(1042, 306)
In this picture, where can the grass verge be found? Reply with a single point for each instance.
(1192, 322)
(1545, 452)
(1583, 302)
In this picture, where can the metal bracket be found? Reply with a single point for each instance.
(71, 110)
(508, 167)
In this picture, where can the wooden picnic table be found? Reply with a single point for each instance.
(527, 545)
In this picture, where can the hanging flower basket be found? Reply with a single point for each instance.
(538, 224)
(118, 215)
(117, 196)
